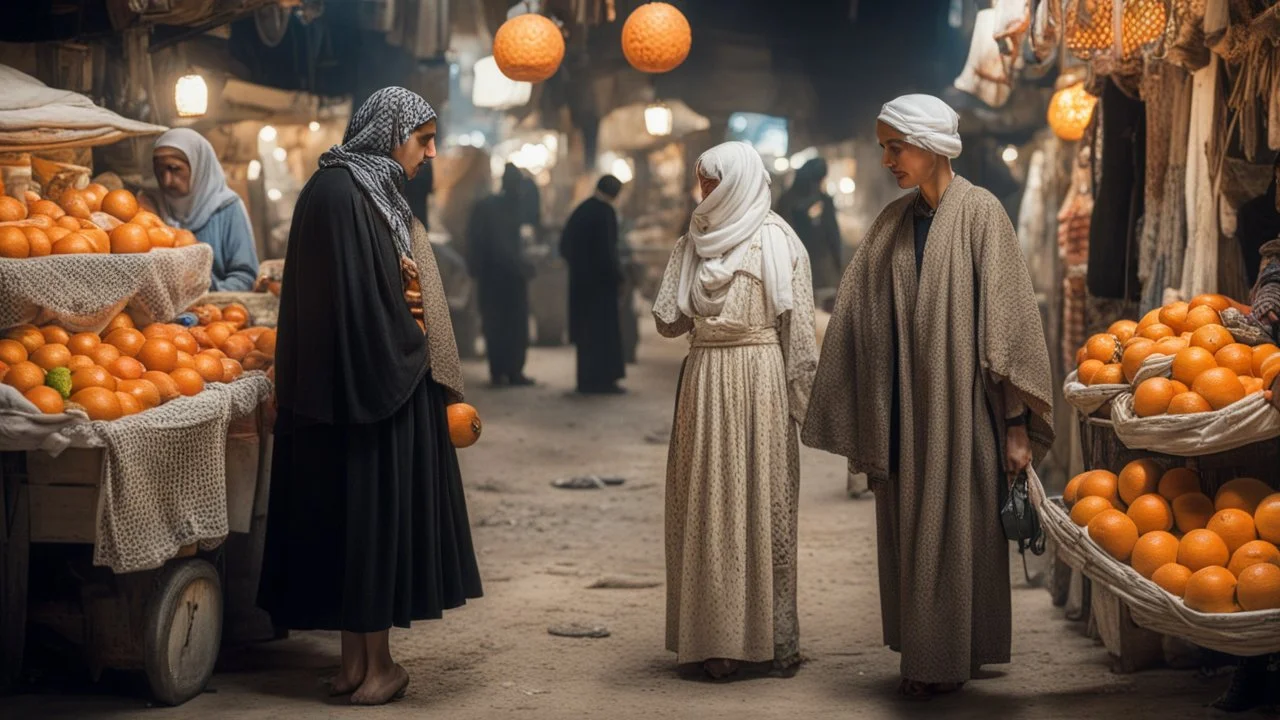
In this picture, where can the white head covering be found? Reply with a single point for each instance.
(723, 222)
(927, 121)
(208, 191)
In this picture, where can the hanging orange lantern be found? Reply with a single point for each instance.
(1091, 25)
(528, 48)
(1070, 110)
(656, 38)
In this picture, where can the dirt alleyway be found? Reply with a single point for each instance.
(540, 548)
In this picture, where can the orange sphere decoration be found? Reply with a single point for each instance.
(656, 38)
(464, 425)
(528, 48)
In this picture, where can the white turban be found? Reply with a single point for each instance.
(927, 121)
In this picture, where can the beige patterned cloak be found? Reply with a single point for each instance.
(733, 469)
(968, 332)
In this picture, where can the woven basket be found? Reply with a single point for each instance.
(1244, 633)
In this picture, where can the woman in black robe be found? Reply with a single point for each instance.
(495, 258)
(812, 213)
(367, 521)
(589, 246)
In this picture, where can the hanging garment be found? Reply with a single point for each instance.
(1113, 232)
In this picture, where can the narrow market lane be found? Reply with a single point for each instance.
(542, 548)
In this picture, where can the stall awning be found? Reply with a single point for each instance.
(624, 130)
(34, 116)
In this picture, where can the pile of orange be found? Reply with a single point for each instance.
(1219, 555)
(77, 224)
(1210, 369)
(125, 369)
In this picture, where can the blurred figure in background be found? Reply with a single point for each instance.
(495, 257)
(589, 245)
(810, 211)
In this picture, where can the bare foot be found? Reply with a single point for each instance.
(346, 682)
(719, 668)
(380, 689)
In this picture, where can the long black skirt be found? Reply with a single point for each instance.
(367, 526)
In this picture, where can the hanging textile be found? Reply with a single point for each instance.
(1118, 204)
(1073, 249)
(1166, 90)
(1200, 267)
(984, 74)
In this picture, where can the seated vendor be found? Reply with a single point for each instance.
(194, 196)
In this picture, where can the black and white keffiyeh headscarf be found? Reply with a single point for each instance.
(383, 123)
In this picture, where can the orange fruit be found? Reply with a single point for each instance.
(1211, 590)
(48, 208)
(158, 354)
(51, 355)
(1072, 492)
(1213, 338)
(184, 238)
(100, 403)
(1103, 347)
(186, 360)
(1138, 478)
(218, 332)
(1152, 397)
(1112, 374)
(147, 219)
(38, 241)
(74, 244)
(236, 314)
(214, 352)
(1114, 532)
(189, 381)
(101, 241)
(1242, 494)
(130, 238)
(1251, 384)
(1085, 372)
(1252, 553)
(55, 234)
(161, 237)
(120, 204)
(1150, 513)
(255, 333)
(12, 209)
(185, 342)
(1123, 329)
(1202, 316)
(1170, 346)
(1267, 518)
(13, 243)
(1151, 318)
(1100, 483)
(1159, 331)
(1177, 482)
(237, 346)
(46, 399)
(55, 335)
(69, 223)
(129, 404)
(656, 38)
(105, 354)
(1200, 549)
(1153, 551)
(146, 392)
(1219, 386)
(1260, 354)
(201, 336)
(1188, 403)
(128, 341)
(99, 193)
(209, 367)
(95, 376)
(1134, 355)
(83, 343)
(12, 352)
(160, 330)
(1235, 527)
(1258, 587)
(1236, 357)
(256, 360)
(24, 375)
(29, 335)
(120, 321)
(79, 361)
(1174, 315)
(528, 48)
(74, 203)
(1189, 363)
(1192, 511)
(230, 370)
(1081, 355)
(1217, 302)
(1172, 577)
(1179, 388)
(163, 383)
(1086, 508)
(465, 426)
(126, 368)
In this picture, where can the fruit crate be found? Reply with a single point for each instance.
(167, 622)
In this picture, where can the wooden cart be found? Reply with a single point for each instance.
(166, 622)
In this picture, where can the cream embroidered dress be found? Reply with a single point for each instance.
(733, 470)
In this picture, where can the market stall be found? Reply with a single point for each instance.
(130, 417)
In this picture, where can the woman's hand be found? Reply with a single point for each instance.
(1017, 454)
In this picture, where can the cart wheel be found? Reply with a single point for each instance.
(183, 630)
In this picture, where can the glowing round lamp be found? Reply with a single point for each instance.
(191, 96)
(1070, 110)
(658, 120)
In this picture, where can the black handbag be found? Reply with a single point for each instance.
(1019, 518)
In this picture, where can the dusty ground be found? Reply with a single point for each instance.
(541, 547)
